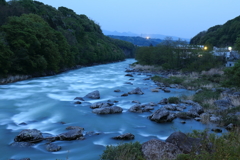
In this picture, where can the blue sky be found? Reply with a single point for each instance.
(181, 18)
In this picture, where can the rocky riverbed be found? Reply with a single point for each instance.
(51, 117)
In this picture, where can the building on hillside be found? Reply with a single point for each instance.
(232, 58)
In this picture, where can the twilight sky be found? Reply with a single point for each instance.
(180, 18)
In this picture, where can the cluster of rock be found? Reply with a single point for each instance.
(29, 137)
(138, 108)
(108, 107)
(177, 143)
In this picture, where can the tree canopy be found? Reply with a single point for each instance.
(36, 38)
(219, 35)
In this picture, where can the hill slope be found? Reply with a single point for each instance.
(38, 39)
(219, 35)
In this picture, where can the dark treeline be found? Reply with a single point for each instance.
(139, 41)
(127, 47)
(219, 35)
(178, 55)
(36, 39)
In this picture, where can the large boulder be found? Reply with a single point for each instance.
(156, 150)
(196, 108)
(93, 95)
(116, 109)
(223, 104)
(70, 135)
(126, 136)
(29, 135)
(136, 108)
(100, 105)
(136, 91)
(162, 115)
(163, 101)
(170, 107)
(53, 147)
(183, 142)
(147, 108)
(105, 110)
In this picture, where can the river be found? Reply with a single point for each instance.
(47, 104)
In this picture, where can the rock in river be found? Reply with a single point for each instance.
(93, 95)
(162, 115)
(136, 108)
(126, 136)
(70, 135)
(136, 91)
(108, 110)
(53, 147)
(27, 135)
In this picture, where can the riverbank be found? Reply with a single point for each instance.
(221, 106)
(15, 78)
(215, 99)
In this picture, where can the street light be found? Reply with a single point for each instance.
(230, 48)
(205, 48)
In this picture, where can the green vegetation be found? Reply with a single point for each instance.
(125, 151)
(168, 81)
(205, 80)
(219, 35)
(127, 47)
(176, 55)
(233, 75)
(174, 100)
(214, 147)
(139, 41)
(38, 39)
(206, 94)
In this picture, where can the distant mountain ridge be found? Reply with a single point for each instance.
(156, 36)
(139, 41)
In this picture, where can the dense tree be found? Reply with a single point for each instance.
(3, 2)
(233, 75)
(219, 35)
(37, 39)
(177, 55)
(237, 44)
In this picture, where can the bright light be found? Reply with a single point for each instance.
(205, 48)
(147, 37)
(230, 48)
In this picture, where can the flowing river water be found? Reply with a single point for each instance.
(47, 104)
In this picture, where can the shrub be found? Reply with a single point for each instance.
(174, 100)
(206, 94)
(125, 151)
(215, 147)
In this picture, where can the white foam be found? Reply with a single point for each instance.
(60, 97)
(102, 143)
(148, 135)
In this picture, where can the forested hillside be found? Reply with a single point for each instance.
(37, 39)
(139, 41)
(219, 35)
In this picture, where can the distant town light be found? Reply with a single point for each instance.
(147, 37)
(230, 48)
(205, 48)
